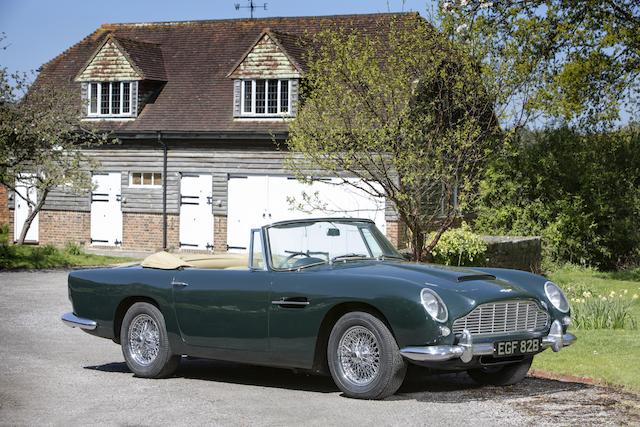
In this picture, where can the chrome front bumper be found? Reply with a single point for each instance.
(465, 350)
(74, 321)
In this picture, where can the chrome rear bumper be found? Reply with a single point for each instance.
(74, 321)
(465, 350)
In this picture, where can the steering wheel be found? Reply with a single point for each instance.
(292, 256)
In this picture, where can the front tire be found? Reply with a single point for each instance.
(364, 358)
(145, 344)
(503, 375)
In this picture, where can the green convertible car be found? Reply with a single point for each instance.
(326, 295)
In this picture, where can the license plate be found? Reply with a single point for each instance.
(517, 347)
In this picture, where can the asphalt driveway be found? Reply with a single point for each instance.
(51, 374)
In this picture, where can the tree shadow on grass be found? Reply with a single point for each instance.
(418, 386)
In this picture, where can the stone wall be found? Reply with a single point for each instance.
(521, 253)
(60, 227)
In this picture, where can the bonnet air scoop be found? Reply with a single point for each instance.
(472, 277)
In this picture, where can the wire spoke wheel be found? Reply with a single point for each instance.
(359, 356)
(144, 339)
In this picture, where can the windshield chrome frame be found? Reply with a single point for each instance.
(267, 244)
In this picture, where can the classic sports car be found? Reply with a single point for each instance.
(323, 295)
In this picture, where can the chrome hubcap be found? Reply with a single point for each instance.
(359, 355)
(144, 339)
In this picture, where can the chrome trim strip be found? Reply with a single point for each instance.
(281, 302)
(74, 321)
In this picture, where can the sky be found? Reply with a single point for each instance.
(38, 30)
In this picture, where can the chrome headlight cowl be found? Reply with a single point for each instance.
(556, 297)
(433, 304)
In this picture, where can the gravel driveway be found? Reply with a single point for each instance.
(51, 374)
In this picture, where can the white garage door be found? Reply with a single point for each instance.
(196, 217)
(106, 212)
(258, 200)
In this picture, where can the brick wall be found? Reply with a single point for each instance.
(220, 233)
(5, 213)
(397, 234)
(143, 231)
(60, 227)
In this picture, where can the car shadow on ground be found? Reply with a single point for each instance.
(418, 386)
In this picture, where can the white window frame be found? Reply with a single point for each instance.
(154, 185)
(279, 112)
(98, 112)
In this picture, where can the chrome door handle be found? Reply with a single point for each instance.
(178, 284)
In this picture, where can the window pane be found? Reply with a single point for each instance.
(93, 94)
(284, 96)
(115, 98)
(126, 98)
(136, 178)
(272, 98)
(247, 96)
(146, 178)
(260, 94)
(157, 179)
(104, 98)
(257, 260)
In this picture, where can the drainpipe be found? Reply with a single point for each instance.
(164, 190)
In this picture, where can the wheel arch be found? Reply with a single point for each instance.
(320, 363)
(122, 308)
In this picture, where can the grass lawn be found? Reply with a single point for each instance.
(37, 257)
(606, 355)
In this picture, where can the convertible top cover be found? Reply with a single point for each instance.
(168, 261)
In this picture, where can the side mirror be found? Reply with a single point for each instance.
(408, 255)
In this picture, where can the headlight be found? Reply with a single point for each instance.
(434, 305)
(556, 297)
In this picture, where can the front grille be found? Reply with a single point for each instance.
(503, 317)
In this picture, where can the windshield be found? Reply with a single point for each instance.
(304, 244)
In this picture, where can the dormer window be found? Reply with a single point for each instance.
(266, 77)
(120, 78)
(110, 99)
(266, 97)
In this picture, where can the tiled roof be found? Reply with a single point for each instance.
(194, 59)
(145, 56)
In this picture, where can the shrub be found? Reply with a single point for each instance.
(592, 311)
(73, 248)
(581, 193)
(459, 246)
(4, 234)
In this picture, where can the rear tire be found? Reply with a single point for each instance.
(145, 344)
(364, 358)
(502, 376)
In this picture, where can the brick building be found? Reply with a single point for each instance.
(200, 108)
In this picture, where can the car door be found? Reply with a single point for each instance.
(295, 314)
(222, 309)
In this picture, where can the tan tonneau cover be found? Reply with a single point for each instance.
(169, 261)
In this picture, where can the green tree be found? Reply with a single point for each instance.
(579, 191)
(404, 111)
(570, 60)
(41, 136)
